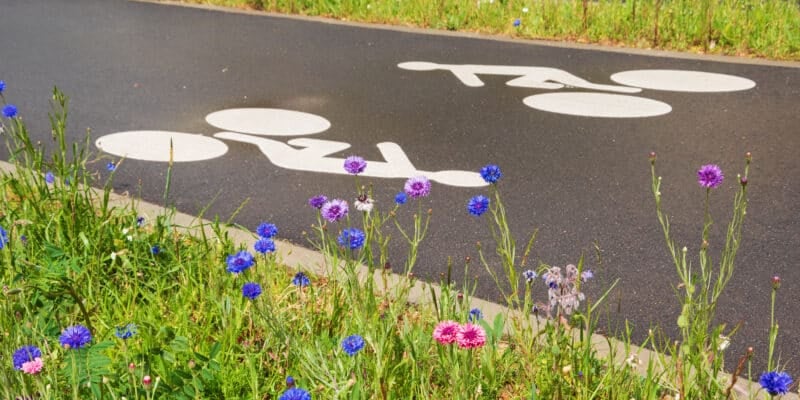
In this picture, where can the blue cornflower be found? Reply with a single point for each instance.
(491, 173)
(23, 239)
(10, 111)
(401, 198)
(251, 290)
(155, 249)
(111, 166)
(289, 381)
(49, 178)
(478, 205)
(140, 221)
(239, 262)
(775, 382)
(75, 337)
(125, 332)
(3, 238)
(475, 315)
(529, 275)
(352, 344)
(517, 22)
(2, 86)
(264, 246)
(267, 230)
(25, 354)
(300, 279)
(352, 238)
(295, 394)
(317, 201)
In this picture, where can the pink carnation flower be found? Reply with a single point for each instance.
(470, 336)
(33, 367)
(446, 331)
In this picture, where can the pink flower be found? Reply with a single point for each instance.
(470, 336)
(33, 367)
(446, 331)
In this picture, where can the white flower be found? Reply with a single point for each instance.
(724, 342)
(633, 360)
(364, 205)
(113, 255)
(525, 9)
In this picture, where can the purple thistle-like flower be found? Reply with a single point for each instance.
(401, 198)
(317, 201)
(75, 337)
(775, 382)
(49, 178)
(267, 230)
(251, 290)
(264, 246)
(10, 111)
(25, 354)
(354, 165)
(300, 279)
(334, 210)
(491, 173)
(294, 393)
(709, 176)
(478, 205)
(417, 186)
(352, 344)
(352, 238)
(239, 262)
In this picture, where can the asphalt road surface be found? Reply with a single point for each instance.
(572, 142)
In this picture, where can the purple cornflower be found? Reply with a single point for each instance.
(775, 382)
(417, 186)
(517, 22)
(251, 290)
(334, 210)
(264, 246)
(586, 275)
(491, 173)
(239, 262)
(401, 198)
(300, 279)
(25, 354)
(478, 205)
(317, 201)
(294, 393)
(354, 165)
(111, 167)
(475, 315)
(352, 344)
(709, 176)
(352, 238)
(49, 178)
(125, 332)
(529, 275)
(75, 337)
(267, 230)
(10, 111)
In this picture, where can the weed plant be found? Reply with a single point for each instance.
(99, 302)
(761, 28)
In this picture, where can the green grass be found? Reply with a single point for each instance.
(753, 28)
(72, 256)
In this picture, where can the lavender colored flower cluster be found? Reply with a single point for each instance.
(562, 293)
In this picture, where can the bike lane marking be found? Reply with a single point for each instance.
(155, 146)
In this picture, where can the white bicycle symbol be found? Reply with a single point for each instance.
(250, 125)
(589, 104)
(301, 154)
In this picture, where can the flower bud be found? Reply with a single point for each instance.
(289, 382)
(743, 181)
(131, 367)
(387, 265)
(146, 380)
(776, 282)
(748, 156)
(652, 157)
(192, 364)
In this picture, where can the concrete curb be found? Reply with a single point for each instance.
(494, 37)
(294, 255)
